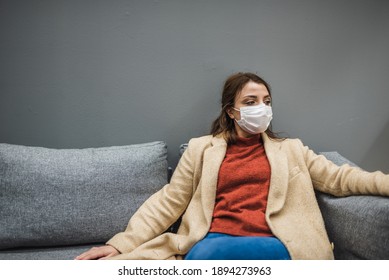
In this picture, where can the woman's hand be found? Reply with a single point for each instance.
(98, 253)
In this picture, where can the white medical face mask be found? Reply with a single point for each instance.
(255, 119)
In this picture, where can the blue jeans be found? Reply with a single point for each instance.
(220, 246)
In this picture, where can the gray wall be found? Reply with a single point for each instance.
(80, 74)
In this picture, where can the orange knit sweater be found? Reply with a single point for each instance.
(242, 190)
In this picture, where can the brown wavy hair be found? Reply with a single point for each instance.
(234, 84)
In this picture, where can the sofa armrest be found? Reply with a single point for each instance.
(357, 225)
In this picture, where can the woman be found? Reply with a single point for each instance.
(242, 192)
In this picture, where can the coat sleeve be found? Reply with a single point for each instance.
(161, 210)
(343, 180)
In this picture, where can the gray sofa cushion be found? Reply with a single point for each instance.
(46, 253)
(54, 197)
(357, 225)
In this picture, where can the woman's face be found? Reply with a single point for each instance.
(251, 94)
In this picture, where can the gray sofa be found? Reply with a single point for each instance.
(55, 204)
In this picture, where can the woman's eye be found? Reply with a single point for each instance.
(267, 102)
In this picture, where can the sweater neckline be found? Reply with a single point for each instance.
(247, 142)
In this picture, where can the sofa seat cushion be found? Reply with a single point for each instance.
(357, 225)
(46, 253)
(57, 197)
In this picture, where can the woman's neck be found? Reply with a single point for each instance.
(244, 134)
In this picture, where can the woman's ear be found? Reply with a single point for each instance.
(230, 114)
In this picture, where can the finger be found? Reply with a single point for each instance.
(91, 254)
(84, 255)
(108, 256)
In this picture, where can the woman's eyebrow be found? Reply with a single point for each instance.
(250, 96)
(256, 97)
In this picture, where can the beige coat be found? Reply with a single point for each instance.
(292, 210)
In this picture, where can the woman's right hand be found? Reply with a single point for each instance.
(98, 253)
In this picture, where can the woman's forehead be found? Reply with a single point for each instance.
(253, 90)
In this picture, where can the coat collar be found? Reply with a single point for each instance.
(218, 140)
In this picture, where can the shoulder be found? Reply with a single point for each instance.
(201, 140)
(200, 144)
(285, 143)
(292, 147)
(194, 149)
(292, 142)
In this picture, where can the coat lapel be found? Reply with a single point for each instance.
(213, 158)
(279, 175)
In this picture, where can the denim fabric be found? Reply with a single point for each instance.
(220, 246)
